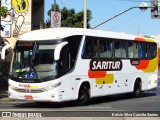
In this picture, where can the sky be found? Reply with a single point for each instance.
(133, 22)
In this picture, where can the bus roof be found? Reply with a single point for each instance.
(59, 33)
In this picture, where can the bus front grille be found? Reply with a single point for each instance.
(29, 90)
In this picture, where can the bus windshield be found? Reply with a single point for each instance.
(34, 60)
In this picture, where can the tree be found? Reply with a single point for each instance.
(3, 11)
(69, 18)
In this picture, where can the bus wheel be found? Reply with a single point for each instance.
(137, 89)
(83, 97)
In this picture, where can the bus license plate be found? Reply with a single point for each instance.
(28, 97)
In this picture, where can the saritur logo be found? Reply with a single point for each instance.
(105, 65)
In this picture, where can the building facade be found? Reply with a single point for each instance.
(22, 16)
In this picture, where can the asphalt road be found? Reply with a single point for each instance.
(149, 101)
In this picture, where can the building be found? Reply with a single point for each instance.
(24, 16)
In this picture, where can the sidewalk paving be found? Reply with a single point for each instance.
(4, 90)
(4, 95)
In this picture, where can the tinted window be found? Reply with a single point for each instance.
(91, 48)
(105, 48)
(120, 49)
(117, 47)
(130, 50)
(142, 50)
(152, 50)
(124, 49)
(135, 50)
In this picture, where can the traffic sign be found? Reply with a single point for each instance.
(55, 19)
(155, 10)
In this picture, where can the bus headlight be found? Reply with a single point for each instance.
(49, 87)
(12, 87)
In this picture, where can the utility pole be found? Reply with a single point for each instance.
(54, 5)
(85, 14)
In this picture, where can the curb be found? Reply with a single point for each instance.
(5, 99)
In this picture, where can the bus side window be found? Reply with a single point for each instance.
(142, 50)
(103, 49)
(91, 48)
(130, 49)
(124, 49)
(135, 50)
(152, 50)
(109, 49)
(117, 47)
(87, 49)
(96, 48)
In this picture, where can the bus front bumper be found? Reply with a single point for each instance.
(48, 96)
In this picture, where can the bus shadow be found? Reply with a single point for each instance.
(93, 101)
(119, 97)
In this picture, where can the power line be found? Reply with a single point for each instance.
(63, 3)
(137, 0)
(125, 21)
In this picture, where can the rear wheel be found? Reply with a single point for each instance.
(137, 89)
(83, 97)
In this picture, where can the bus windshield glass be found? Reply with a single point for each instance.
(34, 61)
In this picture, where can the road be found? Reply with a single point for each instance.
(149, 101)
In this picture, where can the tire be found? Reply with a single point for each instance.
(83, 97)
(137, 90)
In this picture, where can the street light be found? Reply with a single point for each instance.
(143, 6)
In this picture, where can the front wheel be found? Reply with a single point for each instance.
(83, 97)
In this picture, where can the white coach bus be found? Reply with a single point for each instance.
(63, 64)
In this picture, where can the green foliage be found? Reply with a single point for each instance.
(69, 18)
(3, 11)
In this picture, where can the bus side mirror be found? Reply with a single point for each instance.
(4, 50)
(58, 50)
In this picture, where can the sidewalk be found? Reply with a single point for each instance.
(4, 95)
(4, 89)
